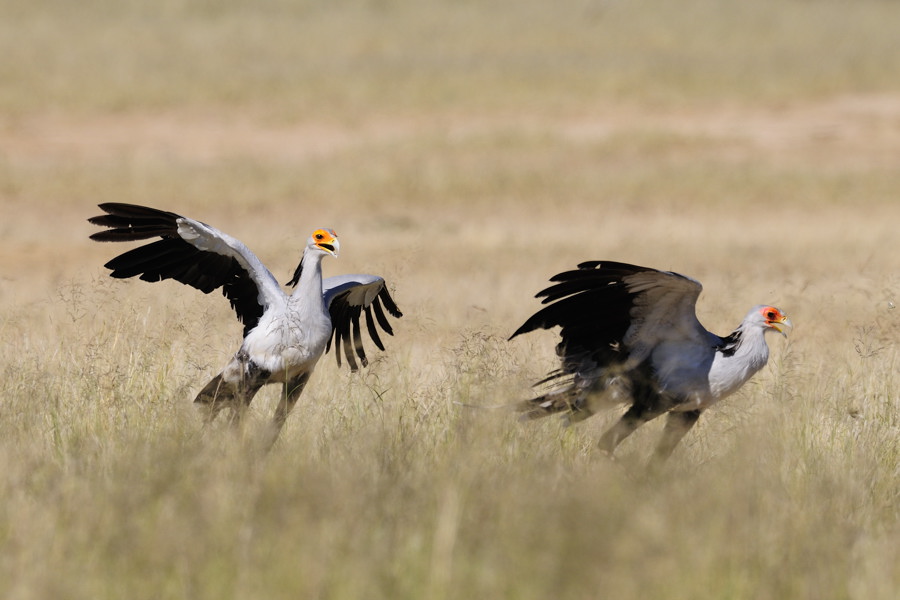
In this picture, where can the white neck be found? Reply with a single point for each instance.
(731, 371)
(309, 287)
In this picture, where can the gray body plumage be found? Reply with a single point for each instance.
(285, 334)
(630, 335)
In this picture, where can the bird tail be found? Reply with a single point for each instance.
(571, 401)
(576, 402)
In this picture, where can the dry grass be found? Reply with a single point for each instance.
(467, 152)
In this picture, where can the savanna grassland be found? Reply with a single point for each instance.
(466, 151)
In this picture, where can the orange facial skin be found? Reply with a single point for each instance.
(776, 319)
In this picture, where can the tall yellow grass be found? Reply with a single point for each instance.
(465, 151)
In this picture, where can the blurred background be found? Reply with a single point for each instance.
(466, 151)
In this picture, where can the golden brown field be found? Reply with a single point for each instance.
(467, 152)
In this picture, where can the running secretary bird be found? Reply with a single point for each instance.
(284, 335)
(630, 335)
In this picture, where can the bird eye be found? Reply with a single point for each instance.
(771, 315)
(319, 236)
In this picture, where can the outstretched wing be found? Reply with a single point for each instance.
(190, 252)
(348, 297)
(614, 313)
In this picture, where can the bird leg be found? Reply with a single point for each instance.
(292, 390)
(218, 395)
(241, 403)
(214, 396)
(633, 418)
(233, 388)
(677, 426)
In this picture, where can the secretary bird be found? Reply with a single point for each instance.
(630, 335)
(284, 334)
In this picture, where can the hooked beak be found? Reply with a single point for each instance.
(332, 247)
(782, 325)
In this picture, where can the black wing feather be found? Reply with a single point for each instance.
(373, 331)
(380, 317)
(174, 258)
(345, 319)
(389, 304)
(343, 331)
(592, 306)
(357, 338)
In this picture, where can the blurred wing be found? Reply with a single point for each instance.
(190, 252)
(348, 297)
(614, 313)
(664, 310)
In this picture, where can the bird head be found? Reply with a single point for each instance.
(772, 318)
(325, 240)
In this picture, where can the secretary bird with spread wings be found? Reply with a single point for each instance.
(630, 335)
(284, 334)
